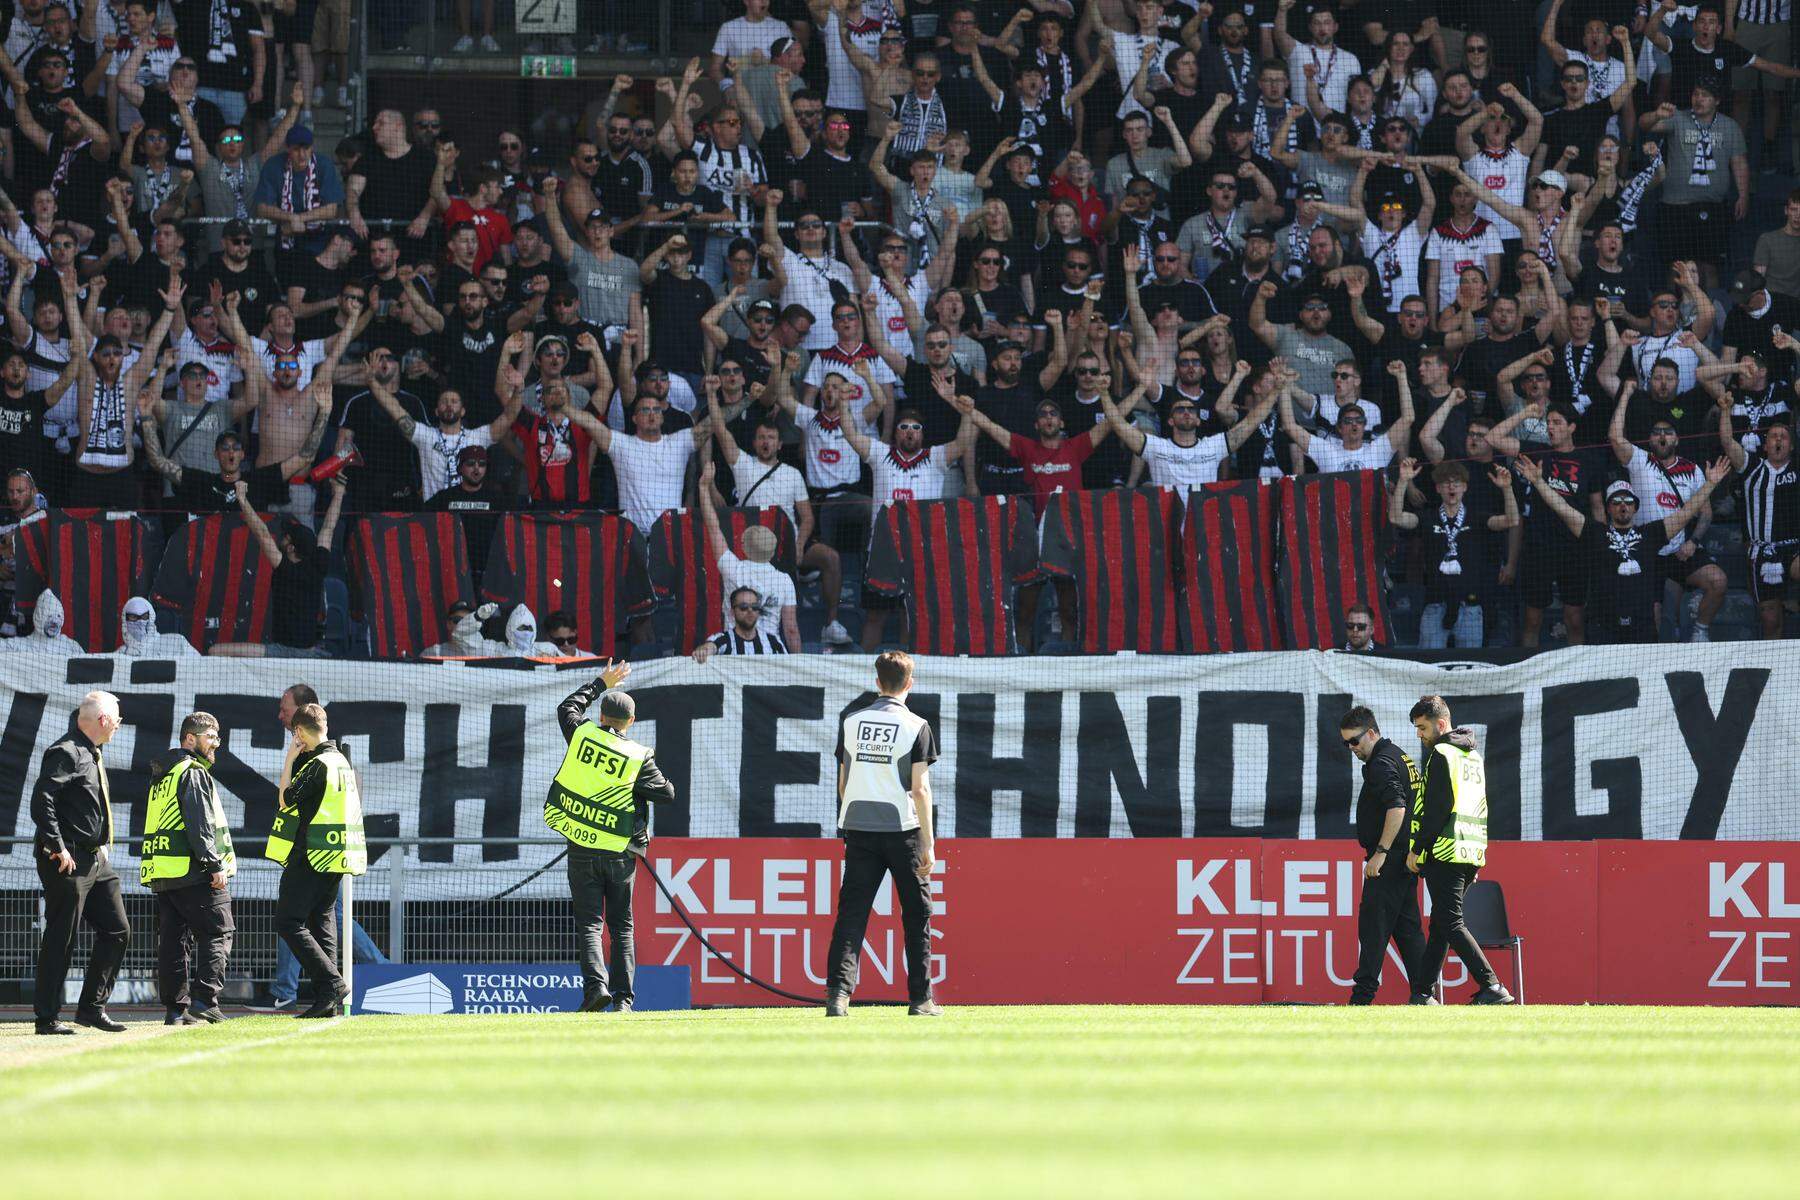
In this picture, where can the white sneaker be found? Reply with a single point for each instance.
(1699, 633)
(835, 634)
(318, 95)
(489, 45)
(464, 44)
(343, 97)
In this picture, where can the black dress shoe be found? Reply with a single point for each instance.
(97, 1019)
(619, 1006)
(325, 1008)
(210, 1016)
(837, 1004)
(54, 1027)
(928, 1008)
(181, 1018)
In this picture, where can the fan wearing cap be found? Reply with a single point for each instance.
(137, 626)
(207, 491)
(1757, 313)
(1311, 212)
(1306, 344)
(1185, 459)
(606, 279)
(1622, 557)
(464, 621)
(477, 503)
(1392, 244)
(201, 338)
(299, 192)
(237, 268)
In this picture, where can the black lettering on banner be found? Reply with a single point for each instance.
(1219, 715)
(1036, 774)
(1620, 778)
(1337, 773)
(1716, 744)
(383, 722)
(444, 781)
(673, 710)
(253, 716)
(23, 721)
(762, 768)
(1152, 800)
(1501, 717)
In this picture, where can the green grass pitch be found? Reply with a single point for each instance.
(984, 1102)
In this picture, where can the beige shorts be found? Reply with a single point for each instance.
(331, 28)
(1767, 42)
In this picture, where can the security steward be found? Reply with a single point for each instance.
(72, 809)
(318, 839)
(600, 800)
(186, 860)
(884, 754)
(1449, 845)
(1390, 895)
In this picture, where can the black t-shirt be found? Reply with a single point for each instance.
(1387, 780)
(1481, 364)
(675, 307)
(667, 200)
(158, 109)
(470, 356)
(832, 183)
(1694, 414)
(1745, 332)
(207, 491)
(81, 195)
(479, 513)
(1687, 63)
(22, 433)
(1455, 553)
(1014, 409)
(296, 598)
(1624, 582)
(1578, 127)
(756, 367)
(621, 186)
(1186, 297)
(316, 282)
(396, 188)
(1576, 474)
(255, 286)
(388, 480)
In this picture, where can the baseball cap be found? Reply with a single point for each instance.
(617, 705)
(1005, 344)
(1311, 191)
(471, 454)
(1619, 488)
(1749, 282)
(1265, 232)
(766, 306)
(235, 228)
(1555, 179)
(1238, 120)
(193, 368)
(459, 606)
(598, 214)
(299, 135)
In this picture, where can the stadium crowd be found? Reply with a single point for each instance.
(867, 250)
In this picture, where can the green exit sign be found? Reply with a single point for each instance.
(547, 66)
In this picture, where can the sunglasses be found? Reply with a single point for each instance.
(1470, 49)
(1359, 627)
(570, 640)
(1225, 185)
(231, 139)
(937, 345)
(238, 239)
(1182, 408)
(1534, 377)
(897, 248)
(1089, 371)
(1189, 362)
(837, 124)
(1353, 742)
(910, 426)
(287, 364)
(988, 260)
(1417, 314)
(727, 121)
(512, 145)
(1343, 374)
(743, 608)
(586, 158)
(1353, 419)
(1314, 306)
(1075, 264)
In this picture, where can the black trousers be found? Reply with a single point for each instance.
(1447, 882)
(1389, 911)
(196, 915)
(306, 919)
(600, 883)
(91, 893)
(867, 858)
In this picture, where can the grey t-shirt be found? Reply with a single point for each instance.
(606, 287)
(1685, 141)
(1334, 179)
(196, 453)
(1313, 357)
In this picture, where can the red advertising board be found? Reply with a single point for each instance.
(1216, 921)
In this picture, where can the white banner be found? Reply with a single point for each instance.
(1652, 742)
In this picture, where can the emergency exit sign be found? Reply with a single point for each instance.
(546, 16)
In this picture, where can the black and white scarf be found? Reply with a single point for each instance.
(1631, 195)
(920, 227)
(299, 191)
(1221, 234)
(1238, 73)
(919, 119)
(1577, 373)
(1700, 173)
(1364, 130)
(1451, 528)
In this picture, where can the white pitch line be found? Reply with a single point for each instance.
(76, 1087)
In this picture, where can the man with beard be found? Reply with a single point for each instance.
(1756, 398)
(1769, 497)
(186, 862)
(1011, 398)
(392, 182)
(1306, 344)
(622, 180)
(22, 412)
(1185, 459)
(1233, 285)
(476, 503)
(1660, 475)
(1228, 68)
(439, 446)
(237, 269)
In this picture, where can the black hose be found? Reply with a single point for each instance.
(463, 912)
(735, 969)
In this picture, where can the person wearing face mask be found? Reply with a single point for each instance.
(46, 636)
(519, 636)
(137, 623)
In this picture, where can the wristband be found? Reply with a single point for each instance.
(1381, 849)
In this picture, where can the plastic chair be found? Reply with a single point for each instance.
(1484, 911)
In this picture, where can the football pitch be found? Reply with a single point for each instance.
(988, 1102)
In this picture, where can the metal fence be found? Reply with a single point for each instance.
(512, 910)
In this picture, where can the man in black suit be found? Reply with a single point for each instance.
(72, 809)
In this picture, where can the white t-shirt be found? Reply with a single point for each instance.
(780, 489)
(892, 317)
(844, 83)
(1328, 412)
(830, 461)
(1336, 67)
(1394, 259)
(222, 369)
(775, 588)
(1652, 346)
(1661, 492)
(740, 35)
(1329, 453)
(310, 354)
(809, 286)
(1454, 254)
(1183, 467)
(438, 451)
(650, 474)
(1507, 176)
(831, 359)
(920, 477)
